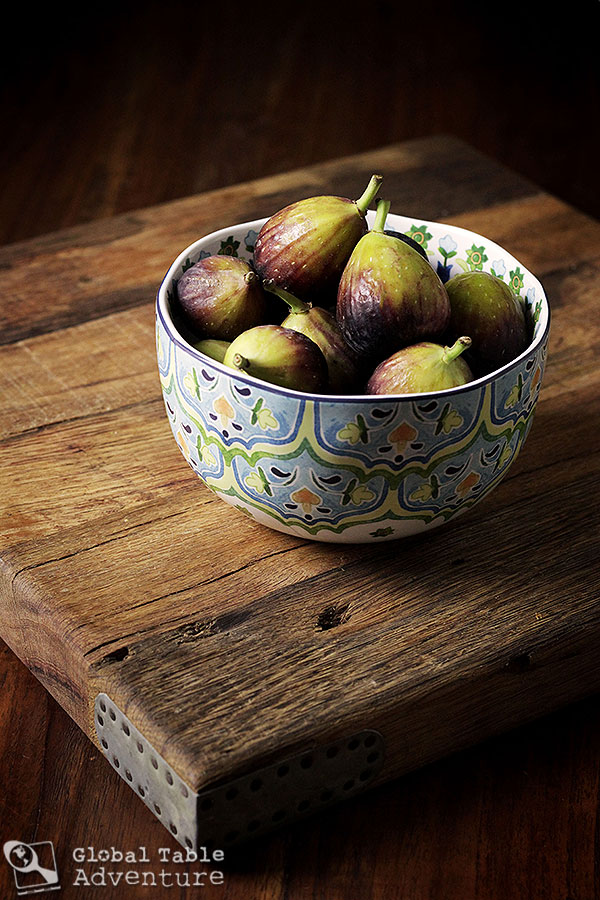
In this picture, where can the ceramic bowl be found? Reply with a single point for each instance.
(351, 468)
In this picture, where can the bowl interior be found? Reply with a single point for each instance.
(450, 249)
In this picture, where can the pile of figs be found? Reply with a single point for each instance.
(328, 305)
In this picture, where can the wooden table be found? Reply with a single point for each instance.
(512, 817)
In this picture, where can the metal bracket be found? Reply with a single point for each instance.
(243, 808)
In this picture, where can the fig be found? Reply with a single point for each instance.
(213, 348)
(422, 368)
(304, 247)
(221, 296)
(389, 296)
(321, 326)
(484, 307)
(279, 355)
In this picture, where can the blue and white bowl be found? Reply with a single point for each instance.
(351, 468)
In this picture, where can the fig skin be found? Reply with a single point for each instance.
(304, 247)
(220, 297)
(281, 356)
(213, 348)
(484, 307)
(389, 296)
(422, 368)
(321, 326)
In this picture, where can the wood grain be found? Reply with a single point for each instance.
(92, 527)
(514, 817)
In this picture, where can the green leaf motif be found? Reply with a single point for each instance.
(259, 481)
(229, 247)
(476, 257)
(448, 421)
(419, 234)
(382, 532)
(263, 416)
(362, 494)
(516, 280)
(190, 383)
(207, 456)
(424, 492)
(504, 456)
(515, 394)
(266, 419)
(348, 492)
(354, 432)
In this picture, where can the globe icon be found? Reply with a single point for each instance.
(21, 856)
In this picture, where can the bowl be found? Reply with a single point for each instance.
(354, 468)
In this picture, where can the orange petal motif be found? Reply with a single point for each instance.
(224, 409)
(403, 435)
(467, 484)
(306, 499)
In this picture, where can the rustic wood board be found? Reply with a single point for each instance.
(230, 645)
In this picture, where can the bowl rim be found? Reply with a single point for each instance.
(163, 313)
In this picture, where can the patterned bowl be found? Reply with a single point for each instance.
(351, 468)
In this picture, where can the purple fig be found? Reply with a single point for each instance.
(220, 297)
(304, 247)
(321, 327)
(389, 296)
(279, 355)
(483, 306)
(422, 368)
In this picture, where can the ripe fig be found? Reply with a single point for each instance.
(279, 355)
(484, 307)
(304, 247)
(422, 368)
(220, 297)
(321, 327)
(389, 296)
(213, 348)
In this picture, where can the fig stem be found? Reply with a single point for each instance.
(240, 362)
(250, 277)
(365, 199)
(295, 304)
(383, 208)
(453, 352)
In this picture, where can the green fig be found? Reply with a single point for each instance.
(213, 348)
(389, 296)
(221, 296)
(484, 307)
(279, 355)
(304, 247)
(422, 368)
(321, 327)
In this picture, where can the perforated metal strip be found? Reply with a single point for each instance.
(246, 807)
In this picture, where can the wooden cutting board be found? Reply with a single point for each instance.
(229, 648)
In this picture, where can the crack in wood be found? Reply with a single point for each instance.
(117, 537)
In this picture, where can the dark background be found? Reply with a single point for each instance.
(109, 108)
